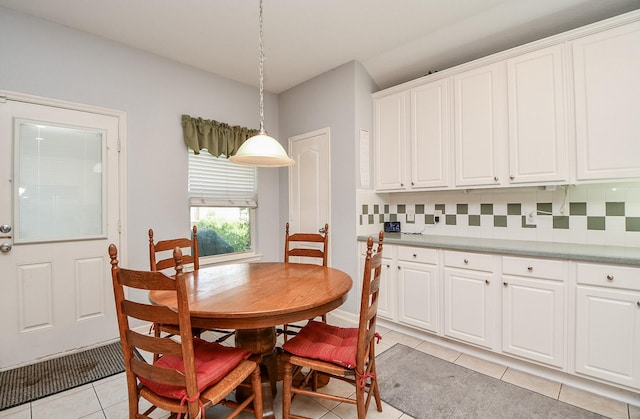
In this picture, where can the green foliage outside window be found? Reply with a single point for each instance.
(236, 233)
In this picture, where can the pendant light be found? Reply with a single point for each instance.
(261, 150)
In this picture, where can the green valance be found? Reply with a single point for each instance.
(217, 137)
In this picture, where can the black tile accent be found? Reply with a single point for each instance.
(393, 217)
(402, 208)
(440, 207)
(514, 209)
(632, 224)
(577, 208)
(474, 220)
(370, 218)
(595, 223)
(428, 219)
(561, 222)
(386, 208)
(450, 219)
(376, 209)
(545, 207)
(614, 208)
(365, 209)
(462, 209)
(381, 218)
(499, 220)
(419, 208)
(486, 209)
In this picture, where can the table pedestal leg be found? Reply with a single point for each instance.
(263, 342)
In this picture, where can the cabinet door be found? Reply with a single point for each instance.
(479, 124)
(537, 123)
(386, 298)
(418, 295)
(607, 94)
(390, 135)
(469, 307)
(608, 335)
(533, 319)
(429, 139)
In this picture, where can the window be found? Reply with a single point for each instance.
(222, 199)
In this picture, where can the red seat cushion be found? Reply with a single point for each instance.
(212, 360)
(328, 343)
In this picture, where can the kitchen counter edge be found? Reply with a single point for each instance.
(579, 252)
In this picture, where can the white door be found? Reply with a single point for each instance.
(310, 182)
(58, 213)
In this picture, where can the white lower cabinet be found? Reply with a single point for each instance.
(469, 298)
(534, 309)
(386, 297)
(523, 307)
(418, 288)
(608, 323)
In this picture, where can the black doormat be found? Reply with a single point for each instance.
(424, 386)
(35, 381)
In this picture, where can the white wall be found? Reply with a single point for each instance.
(45, 59)
(341, 100)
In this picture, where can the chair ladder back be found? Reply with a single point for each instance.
(369, 302)
(161, 246)
(297, 245)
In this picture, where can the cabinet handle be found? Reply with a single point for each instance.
(495, 178)
(412, 183)
(466, 261)
(388, 266)
(402, 184)
(398, 268)
(638, 303)
(529, 268)
(610, 277)
(486, 281)
(511, 177)
(415, 256)
(505, 283)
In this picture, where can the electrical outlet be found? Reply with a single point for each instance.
(531, 218)
(436, 216)
(411, 217)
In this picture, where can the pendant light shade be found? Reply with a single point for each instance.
(261, 150)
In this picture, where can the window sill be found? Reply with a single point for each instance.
(229, 258)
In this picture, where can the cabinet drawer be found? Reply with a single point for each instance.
(608, 275)
(468, 260)
(418, 254)
(535, 268)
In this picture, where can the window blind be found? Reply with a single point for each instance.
(218, 182)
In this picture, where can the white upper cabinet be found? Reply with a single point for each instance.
(430, 138)
(537, 117)
(412, 138)
(479, 124)
(606, 67)
(390, 136)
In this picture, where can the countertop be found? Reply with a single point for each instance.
(579, 252)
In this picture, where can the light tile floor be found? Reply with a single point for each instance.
(107, 398)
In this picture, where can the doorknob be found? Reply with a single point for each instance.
(321, 231)
(4, 228)
(5, 247)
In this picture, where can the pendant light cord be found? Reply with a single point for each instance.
(261, 59)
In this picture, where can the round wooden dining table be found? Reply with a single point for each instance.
(253, 298)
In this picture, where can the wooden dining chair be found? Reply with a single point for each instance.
(161, 258)
(347, 354)
(190, 375)
(313, 247)
(161, 252)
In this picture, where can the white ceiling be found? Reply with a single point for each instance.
(395, 40)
